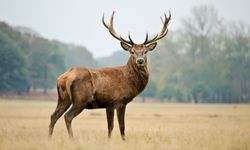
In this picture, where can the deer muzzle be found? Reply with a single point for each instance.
(140, 61)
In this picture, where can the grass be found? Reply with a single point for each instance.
(24, 126)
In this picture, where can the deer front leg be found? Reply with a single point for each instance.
(120, 116)
(110, 119)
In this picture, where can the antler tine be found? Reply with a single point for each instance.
(130, 39)
(111, 19)
(104, 22)
(163, 31)
(111, 28)
(162, 19)
(113, 32)
(146, 38)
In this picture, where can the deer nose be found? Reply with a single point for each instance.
(140, 61)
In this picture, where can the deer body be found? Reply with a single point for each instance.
(110, 88)
(104, 87)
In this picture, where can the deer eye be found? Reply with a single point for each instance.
(132, 52)
(145, 52)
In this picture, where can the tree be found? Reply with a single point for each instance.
(149, 91)
(13, 68)
(199, 30)
(238, 56)
(76, 56)
(200, 92)
(46, 63)
(202, 49)
(167, 92)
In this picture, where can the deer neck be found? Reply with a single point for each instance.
(138, 74)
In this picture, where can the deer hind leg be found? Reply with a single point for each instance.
(72, 113)
(110, 119)
(120, 116)
(79, 100)
(62, 106)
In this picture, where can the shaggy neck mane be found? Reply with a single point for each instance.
(138, 74)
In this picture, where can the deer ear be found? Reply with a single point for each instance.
(125, 46)
(151, 46)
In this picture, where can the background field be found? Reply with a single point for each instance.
(24, 125)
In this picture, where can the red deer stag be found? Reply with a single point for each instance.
(110, 88)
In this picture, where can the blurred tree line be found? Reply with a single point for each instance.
(206, 60)
(29, 61)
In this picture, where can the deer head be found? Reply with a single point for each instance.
(138, 51)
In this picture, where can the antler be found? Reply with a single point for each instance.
(163, 32)
(113, 32)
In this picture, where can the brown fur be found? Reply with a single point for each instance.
(110, 88)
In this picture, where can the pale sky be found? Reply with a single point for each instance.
(79, 21)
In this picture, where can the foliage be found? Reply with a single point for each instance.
(13, 68)
(29, 61)
(45, 63)
(118, 58)
(76, 56)
(206, 60)
(150, 90)
(200, 91)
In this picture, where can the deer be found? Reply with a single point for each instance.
(108, 88)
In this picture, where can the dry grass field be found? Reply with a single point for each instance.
(24, 126)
